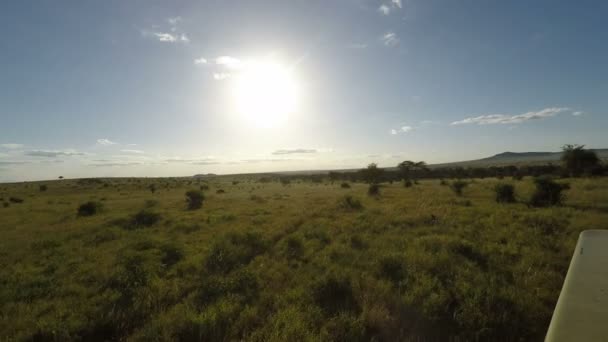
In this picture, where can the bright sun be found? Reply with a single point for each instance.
(265, 93)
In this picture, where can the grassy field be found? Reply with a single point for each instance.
(275, 262)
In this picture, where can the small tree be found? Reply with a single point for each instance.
(406, 168)
(373, 190)
(372, 174)
(195, 199)
(89, 208)
(547, 192)
(505, 193)
(576, 160)
(457, 186)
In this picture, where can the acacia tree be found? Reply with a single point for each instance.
(576, 160)
(372, 174)
(407, 167)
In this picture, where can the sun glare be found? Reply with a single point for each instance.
(265, 93)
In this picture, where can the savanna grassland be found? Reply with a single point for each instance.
(284, 262)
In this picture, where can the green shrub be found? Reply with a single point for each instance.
(6, 204)
(142, 219)
(233, 251)
(391, 267)
(220, 191)
(407, 183)
(373, 190)
(43, 187)
(547, 192)
(89, 208)
(152, 188)
(443, 182)
(334, 294)
(195, 199)
(345, 185)
(15, 199)
(294, 248)
(505, 193)
(350, 203)
(204, 187)
(457, 186)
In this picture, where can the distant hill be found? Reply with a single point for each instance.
(517, 158)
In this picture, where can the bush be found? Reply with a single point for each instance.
(152, 188)
(195, 199)
(204, 187)
(345, 185)
(294, 248)
(89, 208)
(407, 183)
(43, 187)
(457, 186)
(443, 182)
(391, 267)
(15, 199)
(145, 218)
(350, 203)
(373, 190)
(233, 251)
(334, 294)
(505, 193)
(6, 204)
(547, 192)
(220, 191)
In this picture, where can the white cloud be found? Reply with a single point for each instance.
(171, 37)
(384, 9)
(52, 154)
(229, 62)
(578, 113)
(132, 151)
(294, 151)
(390, 39)
(219, 76)
(174, 20)
(387, 8)
(402, 129)
(492, 119)
(200, 61)
(11, 146)
(105, 142)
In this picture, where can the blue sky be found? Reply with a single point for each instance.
(146, 88)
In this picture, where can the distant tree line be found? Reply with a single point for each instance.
(576, 161)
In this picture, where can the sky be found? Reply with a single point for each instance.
(176, 88)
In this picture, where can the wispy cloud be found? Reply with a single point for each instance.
(11, 146)
(387, 7)
(402, 129)
(229, 62)
(579, 113)
(492, 119)
(200, 61)
(219, 76)
(390, 39)
(53, 154)
(132, 151)
(170, 34)
(171, 37)
(294, 151)
(116, 164)
(9, 162)
(384, 9)
(105, 142)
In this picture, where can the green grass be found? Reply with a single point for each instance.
(277, 262)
